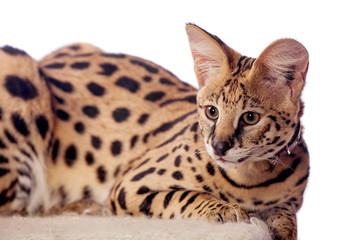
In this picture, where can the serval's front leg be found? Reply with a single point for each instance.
(282, 222)
(172, 204)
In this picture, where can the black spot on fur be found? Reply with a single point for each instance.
(116, 148)
(90, 111)
(184, 195)
(9, 136)
(20, 124)
(3, 159)
(70, 155)
(168, 198)
(89, 158)
(177, 161)
(101, 174)
(133, 141)
(143, 190)
(190, 201)
(61, 114)
(199, 178)
(96, 89)
(4, 196)
(55, 66)
(108, 69)
(223, 197)
(121, 199)
(60, 55)
(3, 171)
(277, 126)
(2, 145)
(168, 125)
(117, 171)
(23, 172)
(144, 65)
(302, 179)
(154, 96)
(194, 127)
(146, 204)
(42, 125)
(210, 168)
(161, 171)
(177, 175)
(55, 150)
(166, 81)
(87, 193)
(176, 187)
(147, 79)
(143, 163)
(32, 147)
(58, 99)
(146, 137)
(80, 65)
(274, 141)
(207, 188)
(181, 132)
(198, 154)
(163, 157)
(142, 174)
(96, 142)
(83, 55)
(128, 83)
(142, 119)
(13, 51)
(183, 90)
(25, 153)
(64, 86)
(113, 206)
(79, 127)
(114, 55)
(20, 87)
(75, 47)
(190, 99)
(120, 114)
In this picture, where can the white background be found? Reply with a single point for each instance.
(155, 30)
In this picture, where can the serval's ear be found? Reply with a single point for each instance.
(284, 63)
(211, 55)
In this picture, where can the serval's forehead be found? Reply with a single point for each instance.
(233, 90)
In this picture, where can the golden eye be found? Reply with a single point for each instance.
(212, 112)
(250, 118)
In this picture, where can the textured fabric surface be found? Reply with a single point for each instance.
(83, 227)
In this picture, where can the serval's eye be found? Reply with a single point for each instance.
(250, 118)
(212, 112)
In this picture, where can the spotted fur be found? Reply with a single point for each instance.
(85, 127)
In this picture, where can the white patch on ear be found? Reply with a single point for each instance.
(209, 58)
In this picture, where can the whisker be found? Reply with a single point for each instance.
(286, 165)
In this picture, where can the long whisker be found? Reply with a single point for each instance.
(286, 165)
